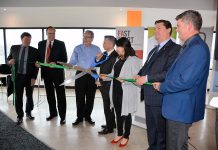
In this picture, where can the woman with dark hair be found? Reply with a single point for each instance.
(124, 95)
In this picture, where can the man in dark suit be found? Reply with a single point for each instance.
(24, 57)
(184, 87)
(154, 70)
(104, 86)
(51, 51)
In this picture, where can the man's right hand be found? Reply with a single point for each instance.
(37, 65)
(98, 56)
(11, 62)
(136, 77)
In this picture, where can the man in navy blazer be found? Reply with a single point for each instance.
(154, 70)
(184, 87)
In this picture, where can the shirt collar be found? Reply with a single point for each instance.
(189, 40)
(110, 51)
(163, 43)
(52, 42)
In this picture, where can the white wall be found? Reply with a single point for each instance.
(88, 16)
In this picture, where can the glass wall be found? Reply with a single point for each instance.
(2, 51)
(13, 37)
(99, 36)
(71, 38)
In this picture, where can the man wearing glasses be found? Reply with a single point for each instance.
(51, 51)
(85, 87)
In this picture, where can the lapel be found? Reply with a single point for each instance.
(181, 53)
(160, 52)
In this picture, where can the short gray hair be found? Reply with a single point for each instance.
(110, 38)
(192, 16)
(91, 33)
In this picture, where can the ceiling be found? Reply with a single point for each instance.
(169, 4)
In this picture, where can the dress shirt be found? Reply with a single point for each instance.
(84, 56)
(163, 43)
(23, 60)
(47, 44)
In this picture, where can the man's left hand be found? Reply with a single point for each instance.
(33, 81)
(156, 85)
(141, 80)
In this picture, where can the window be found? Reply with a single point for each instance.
(71, 38)
(13, 37)
(99, 36)
(2, 51)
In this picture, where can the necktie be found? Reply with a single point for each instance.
(154, 53)
(21, 67)
(48, 51)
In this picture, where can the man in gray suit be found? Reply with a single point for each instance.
(154, 70)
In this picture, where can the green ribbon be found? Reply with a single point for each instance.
(14, 85)
(129, 80)
(53, 65)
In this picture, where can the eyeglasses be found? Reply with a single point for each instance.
(87, 37)
(50, 33)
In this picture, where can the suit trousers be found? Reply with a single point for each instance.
(156, 128)
(85, 89)
(52, 79)
(177, 135)
(22, 81)
(109, 113)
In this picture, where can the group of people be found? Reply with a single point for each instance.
(178, 75)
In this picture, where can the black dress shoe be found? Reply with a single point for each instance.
(29, 116)
(89, 120)
(77, 122)
(105, 131)
(63, 121)
(51, 117)
(103, 126)
(19, 121)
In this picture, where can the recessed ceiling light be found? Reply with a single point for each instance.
(4, 9)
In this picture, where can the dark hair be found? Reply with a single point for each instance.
(50, 27)
(191, 16)
(125, 43)
(166, 23)
(110, 38)
(91, 33)
(25, 34)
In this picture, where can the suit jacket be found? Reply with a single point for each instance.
(58, 53)
(184, 88)
(107, 66)
(156, 69)
(32, 57)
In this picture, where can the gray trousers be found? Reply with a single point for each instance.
(177, 135)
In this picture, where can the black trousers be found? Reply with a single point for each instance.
(22, 81)
(109, 114)
(156, 128)
(123, 122)
(85, 89)
(177, 135)
(52, 79)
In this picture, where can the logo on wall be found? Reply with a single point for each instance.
(135, 36)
